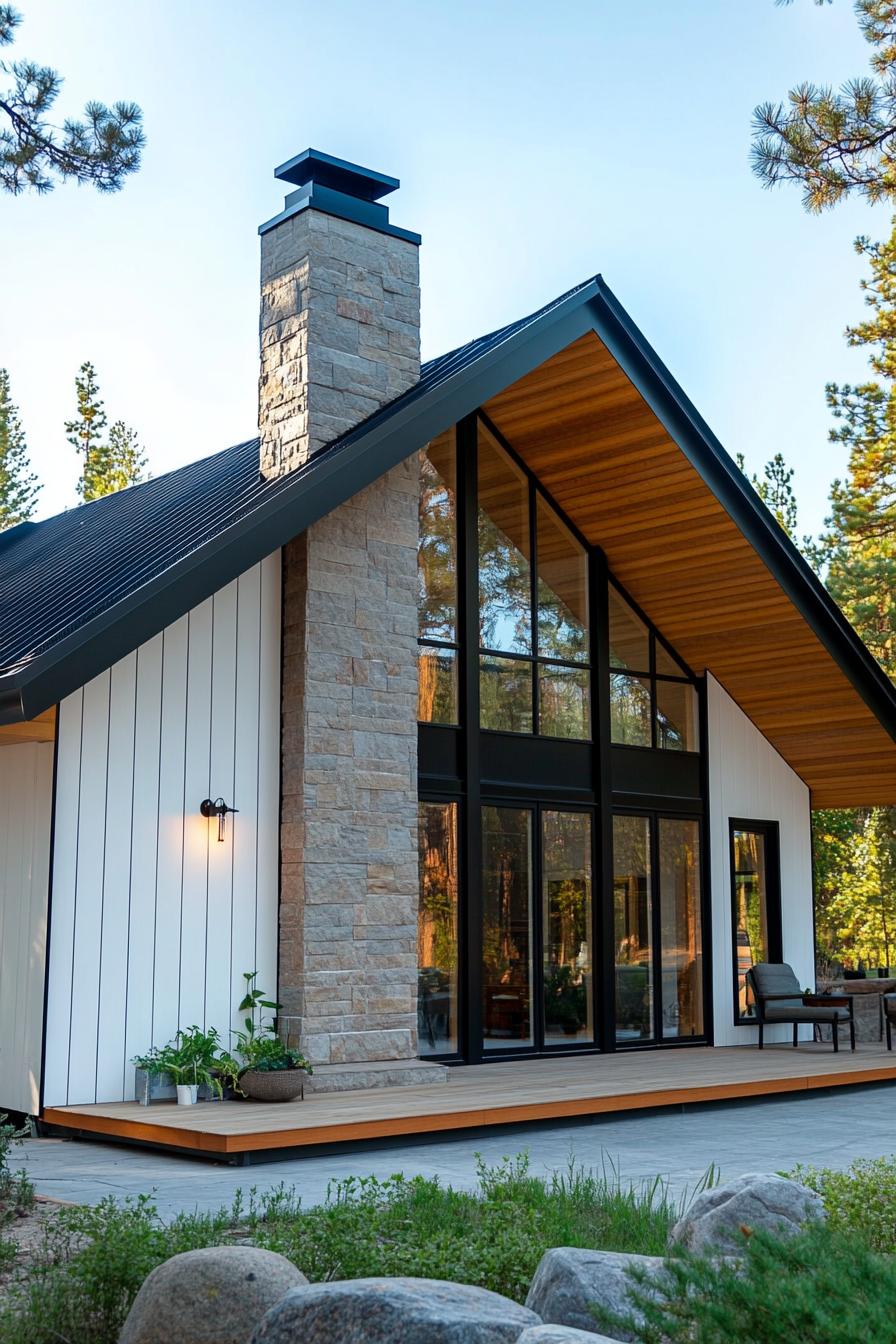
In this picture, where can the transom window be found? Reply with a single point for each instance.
(653, 700)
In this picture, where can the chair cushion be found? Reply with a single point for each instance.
(782, 1012)
(770, 978)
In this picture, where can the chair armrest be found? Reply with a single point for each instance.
(829, 1001)
(791, 994)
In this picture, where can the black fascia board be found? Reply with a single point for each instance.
(640, 362)
(337, 473)
(390, 436)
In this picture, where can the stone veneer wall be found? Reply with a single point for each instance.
(349, 893)
(340, 332)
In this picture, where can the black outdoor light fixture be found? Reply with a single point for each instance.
(216, 808)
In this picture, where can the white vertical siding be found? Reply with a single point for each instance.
(750, 781)
(153, 920)
(26, 786)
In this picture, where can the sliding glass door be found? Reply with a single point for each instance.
(566, 922)
(657, 924)
(537, 928)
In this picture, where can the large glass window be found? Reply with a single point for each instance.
(437, 933)
(506, 927)
(681, 935)
(633, 928)
(568, 985)
(653, 701)
(437, 582)
(756, 896)
(545, 628)
(505, 583)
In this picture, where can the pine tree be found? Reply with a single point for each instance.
(110, 463)
(85, 432)
(18, 485)
(100, 149)
(836, 143)
(775, 489)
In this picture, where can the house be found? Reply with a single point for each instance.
(479, 707)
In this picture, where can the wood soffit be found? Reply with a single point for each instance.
(585, 431)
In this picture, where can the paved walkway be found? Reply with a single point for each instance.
(829, 1129)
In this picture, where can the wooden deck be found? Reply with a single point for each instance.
(490, 1094)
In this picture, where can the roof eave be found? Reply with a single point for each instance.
(383, 441)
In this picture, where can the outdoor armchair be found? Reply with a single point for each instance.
(889, 1005)
(778, 997)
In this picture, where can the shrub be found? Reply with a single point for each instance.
(493, 1238)
(88, 1270)
(93, 1260)
(816, 1288)
(860, 1200)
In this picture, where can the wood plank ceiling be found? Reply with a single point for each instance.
(585, 431)
(40, 729)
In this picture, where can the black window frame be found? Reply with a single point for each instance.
(654, 677)
(771, 830)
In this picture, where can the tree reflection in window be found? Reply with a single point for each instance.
(653, 700)
(437, 935)
(437, 582)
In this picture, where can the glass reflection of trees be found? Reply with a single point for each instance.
(653, 702)
(680, 922)
(437, 582)
(566, 916)
(633, 928)
(750, 911)
(437, 932)
(506, 926)
(555, 632)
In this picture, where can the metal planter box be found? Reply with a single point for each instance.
(152, 1087)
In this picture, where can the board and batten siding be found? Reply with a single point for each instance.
(153, 920)
(748, 780)
(26, 800)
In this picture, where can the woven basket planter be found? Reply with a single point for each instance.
(274, 1084)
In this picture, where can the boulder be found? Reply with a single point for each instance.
(212, 1296)
(561, 1334)
(393, 1311)
(717, 1218)
(569, 1282)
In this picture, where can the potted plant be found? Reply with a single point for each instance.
(151, 1080)
(271, 1071)
(565, 1001)
(189, 1067)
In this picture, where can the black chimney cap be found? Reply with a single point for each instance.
(338, 188)
(337, 174)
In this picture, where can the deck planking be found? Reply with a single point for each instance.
(488, 1094)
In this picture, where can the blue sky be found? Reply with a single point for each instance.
(537, 144)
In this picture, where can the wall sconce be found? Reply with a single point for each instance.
(216, 808)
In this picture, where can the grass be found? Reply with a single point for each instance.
(81, 1283)
(16, 1191)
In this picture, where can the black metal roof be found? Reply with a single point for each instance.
(61, 575)
(82, 589)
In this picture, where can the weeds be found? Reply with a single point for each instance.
(93, 1260)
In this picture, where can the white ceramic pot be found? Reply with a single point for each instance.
(186, 1094)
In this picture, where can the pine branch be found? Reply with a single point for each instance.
(100, 149)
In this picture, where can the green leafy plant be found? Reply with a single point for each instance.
(860, 1201)
(92, 1260)
(258, 1045)
(194, 1057)
(815, 1288)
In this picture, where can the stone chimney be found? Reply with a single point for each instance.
(340, 337)
(340, 308)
